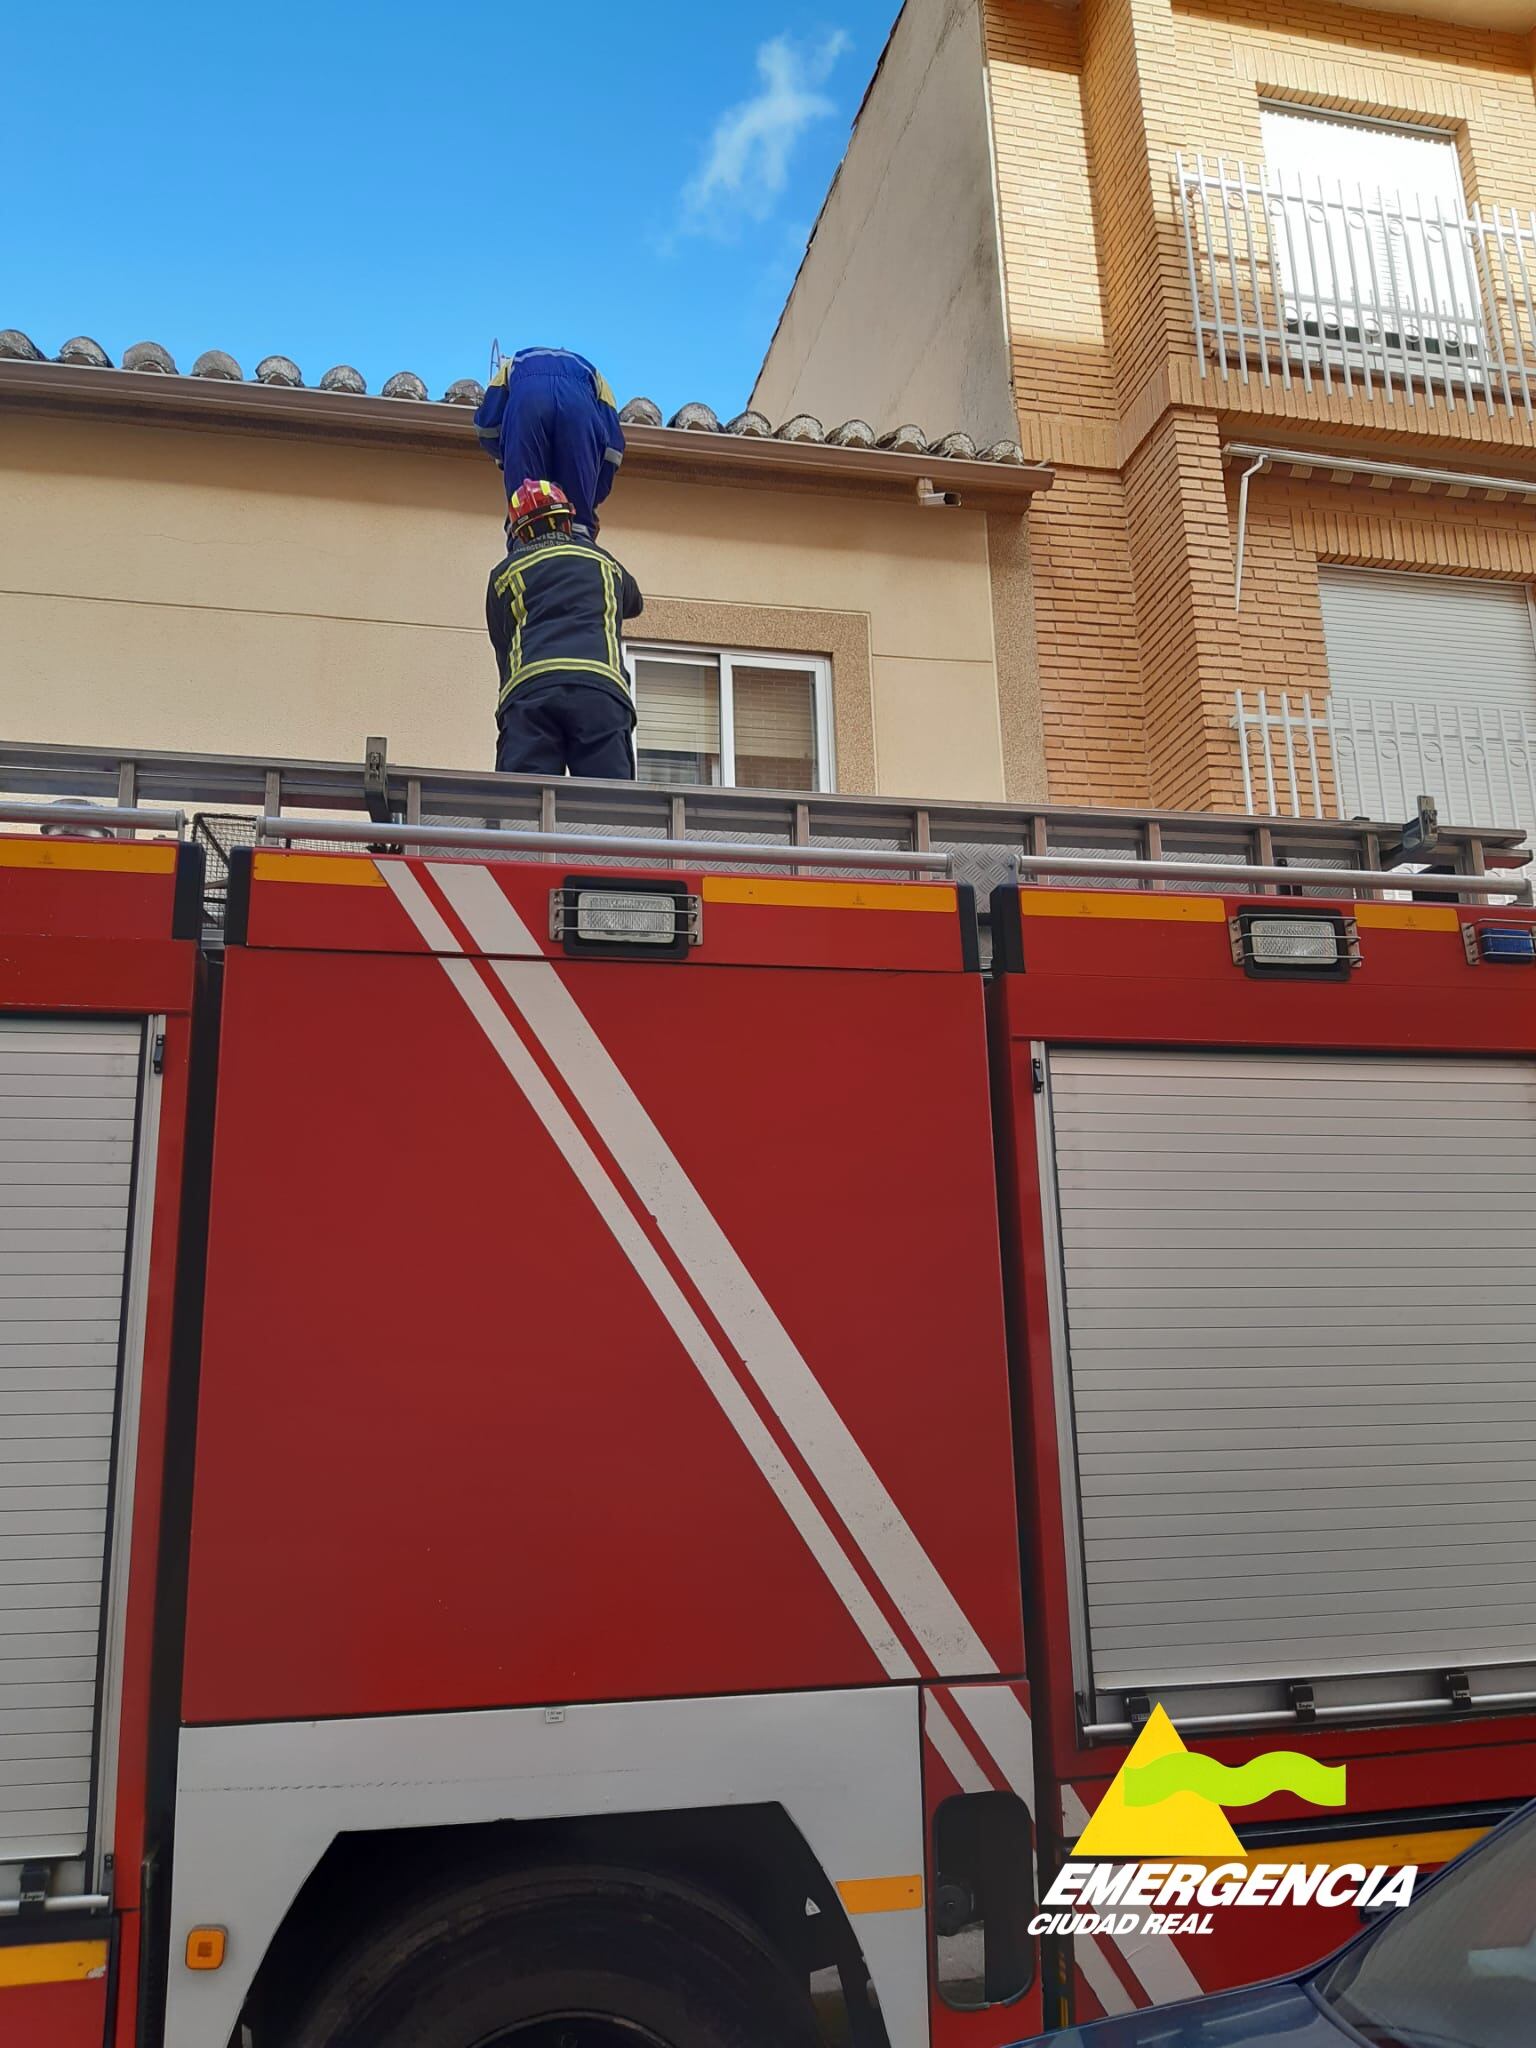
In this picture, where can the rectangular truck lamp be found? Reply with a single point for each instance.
(604, 914)
(1322, 946)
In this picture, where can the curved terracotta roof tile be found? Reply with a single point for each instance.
(81, 349)
(150, 356)
(213, 362)
(695, 418)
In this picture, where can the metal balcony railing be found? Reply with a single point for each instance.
(1342, 289)
(1373, 757)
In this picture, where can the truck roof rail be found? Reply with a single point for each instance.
(1246, 875)
(807, 829)
(601, 845)
(95, 817)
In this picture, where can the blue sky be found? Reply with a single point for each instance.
(392, 185)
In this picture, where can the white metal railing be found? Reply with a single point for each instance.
(1372, 757)
(1340, 288)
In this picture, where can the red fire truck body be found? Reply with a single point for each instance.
(557, 1471)
(98, 976)
(1272, 1302)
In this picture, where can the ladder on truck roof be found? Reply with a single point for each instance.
(237, 799)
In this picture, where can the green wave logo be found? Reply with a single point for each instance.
(1278, 1770)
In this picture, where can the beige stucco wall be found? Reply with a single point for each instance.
(174, 588)
(897, 313)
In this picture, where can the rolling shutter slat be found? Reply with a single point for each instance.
(68, 1095)
(1305, 1426)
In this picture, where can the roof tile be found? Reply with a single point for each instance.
(150, 356)
(344, 378)
(694, 417)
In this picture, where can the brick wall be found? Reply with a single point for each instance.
(1140, 649)
(1062, 375)
(1089, 660)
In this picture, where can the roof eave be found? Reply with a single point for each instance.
(138, 397)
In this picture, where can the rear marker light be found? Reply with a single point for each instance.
(1500, 944)
(1324, 947)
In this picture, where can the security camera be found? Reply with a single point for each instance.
(931, 499)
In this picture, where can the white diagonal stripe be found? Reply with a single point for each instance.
(713, 1264)
(1154, 1959)
(1099, 1974)
(418, 906)
(999, 1717)
(945, 1737)
(669, 1298)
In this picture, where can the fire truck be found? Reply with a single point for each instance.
(616, 1408)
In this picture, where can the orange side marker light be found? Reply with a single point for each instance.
(205, 1947)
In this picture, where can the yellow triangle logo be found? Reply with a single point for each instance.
(1183, 1824)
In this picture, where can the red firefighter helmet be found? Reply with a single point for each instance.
(538, 506)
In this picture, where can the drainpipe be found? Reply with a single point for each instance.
(1261, 457)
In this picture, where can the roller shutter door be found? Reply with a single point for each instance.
(68, 1098)
(1434, 687)
(1301, 1322)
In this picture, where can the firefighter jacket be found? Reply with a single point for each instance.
(556, 607)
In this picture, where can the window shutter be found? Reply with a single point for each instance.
(775, 721)
(1391, 256)
(1433, 682)
(677, 709)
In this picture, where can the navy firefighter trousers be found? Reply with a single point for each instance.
(555, 724)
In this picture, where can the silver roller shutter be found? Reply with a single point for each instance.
(1301, 1321)
(68, 1096)
(1433, 680)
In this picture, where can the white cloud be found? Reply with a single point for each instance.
(746, 166)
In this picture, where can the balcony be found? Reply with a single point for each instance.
(1328, 289)
(1373, 757)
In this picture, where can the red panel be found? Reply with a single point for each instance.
(106, 975)
(338, 902)
(452, 1454)
(83, 889)
(54, 2015)
(1132, 981)
(134, 1737)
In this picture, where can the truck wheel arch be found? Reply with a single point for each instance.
(748, 1866)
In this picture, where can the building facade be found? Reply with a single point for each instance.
(1259, 283)
(237, 565)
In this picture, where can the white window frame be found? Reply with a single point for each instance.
(818, 666)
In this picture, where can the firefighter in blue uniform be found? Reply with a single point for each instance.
(549, 413)
(555, 610)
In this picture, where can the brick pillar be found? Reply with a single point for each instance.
(1191, 657)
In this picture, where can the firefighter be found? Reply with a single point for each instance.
(554, 610)
(549, 413)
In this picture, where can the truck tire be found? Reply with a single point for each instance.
(562, 1958)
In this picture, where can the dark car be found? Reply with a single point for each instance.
(1456, 1969)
